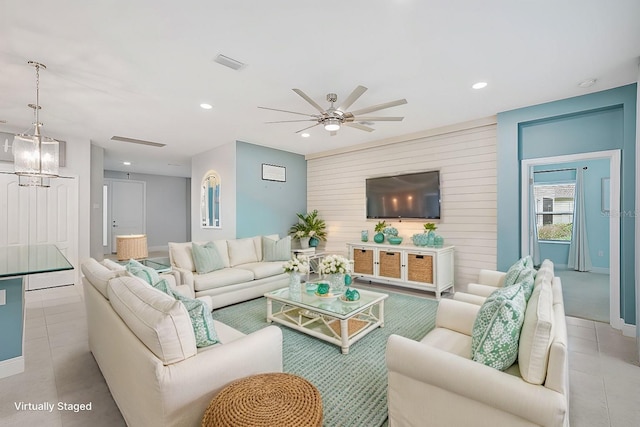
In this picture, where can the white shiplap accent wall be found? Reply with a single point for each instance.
(467, 163)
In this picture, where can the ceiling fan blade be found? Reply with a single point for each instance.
(378, 119)
(286, 111)
(359, 126)
(291, 121)
(298, 131)
(309, 100)
(357, 93)
(379, 107)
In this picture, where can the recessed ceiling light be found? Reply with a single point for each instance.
(206, 106)
(587, 83)
(479, 85)
(305, 135)
(126, 163)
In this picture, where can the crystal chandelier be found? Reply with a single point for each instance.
(36, 157)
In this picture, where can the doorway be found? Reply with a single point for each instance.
(126, 210)
(601, 285)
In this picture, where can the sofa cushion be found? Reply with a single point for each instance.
(276, 250)
(536, 335)
(206, 257)
(112, 265)
(496, 330)
(241, 251)
(263, 269)
(161, 322)
(220, 278)
(180, 254)
(99, 275)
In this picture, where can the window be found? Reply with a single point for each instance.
(554, 211)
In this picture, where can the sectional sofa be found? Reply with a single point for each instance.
(245, 272)
(435, 383)
(145, 346)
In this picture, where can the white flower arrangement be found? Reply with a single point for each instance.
(297, 264)
(334, 264)
(299, 234)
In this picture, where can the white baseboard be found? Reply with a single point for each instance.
(11, 366)
(158, 249)
(627, 330)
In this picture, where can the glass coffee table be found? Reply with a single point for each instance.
(161, 265)
(330, 319)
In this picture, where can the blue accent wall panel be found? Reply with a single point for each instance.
(594, 122)
(11, 319)
(268, 207)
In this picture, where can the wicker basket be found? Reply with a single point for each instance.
(390, 264)
(363, 261)
(420, 268)
(131, 246)
(266, 400)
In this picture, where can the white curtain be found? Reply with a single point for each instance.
(534, 247)
(579, 258)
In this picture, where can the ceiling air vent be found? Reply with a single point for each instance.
(229, 62)
(137, 141)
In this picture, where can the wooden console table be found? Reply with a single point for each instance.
(409, 266)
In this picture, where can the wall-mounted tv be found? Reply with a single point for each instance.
(414, 195)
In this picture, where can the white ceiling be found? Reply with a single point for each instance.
(140, 69)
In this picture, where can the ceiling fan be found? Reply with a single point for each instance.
(333, 118)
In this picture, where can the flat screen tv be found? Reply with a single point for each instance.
(414, 195)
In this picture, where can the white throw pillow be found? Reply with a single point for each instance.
(158, 320)
(180, 254)
(242, 251)
(99, 275)
(536, 335)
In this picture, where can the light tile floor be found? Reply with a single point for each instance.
(604, 372)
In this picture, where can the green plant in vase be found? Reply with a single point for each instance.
(379, 228)
(310, 229)
(430, 228)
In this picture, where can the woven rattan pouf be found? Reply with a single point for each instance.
(274, 399)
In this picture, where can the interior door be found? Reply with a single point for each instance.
(37, 215)
(127, 207)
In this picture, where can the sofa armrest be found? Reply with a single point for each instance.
(456, 315)
(186, 276)
(469, 298)
(188, 386)
(460, 377)
(491, 278)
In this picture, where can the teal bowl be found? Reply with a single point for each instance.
(394, 240)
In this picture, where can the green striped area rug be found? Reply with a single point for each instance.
(353, 386)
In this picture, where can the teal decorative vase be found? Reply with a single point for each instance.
(431, 238)
(348, 280)
(352, 295)
(378, 238)
(314, 242)
(323, 289)
(364, 235)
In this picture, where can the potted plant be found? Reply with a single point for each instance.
(309, 229)
(430, 227)
(379, 228)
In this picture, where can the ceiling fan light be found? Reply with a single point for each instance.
(332, 125)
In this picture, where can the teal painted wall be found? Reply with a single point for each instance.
(594, 122)
(268, 207)
(597, 221)
(11, 319)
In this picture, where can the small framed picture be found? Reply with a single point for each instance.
(274, 173)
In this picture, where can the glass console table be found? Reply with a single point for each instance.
(17, 262)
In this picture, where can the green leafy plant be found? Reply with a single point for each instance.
(380, 226)
(309, 225)
(430, 226)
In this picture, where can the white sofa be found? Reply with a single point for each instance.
(245, 274)
(144, 344)
(434, 382)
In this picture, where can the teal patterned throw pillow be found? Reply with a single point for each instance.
(147, 274)
(514, 271)
(206, 258)
(201, 320)
(496, 330)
